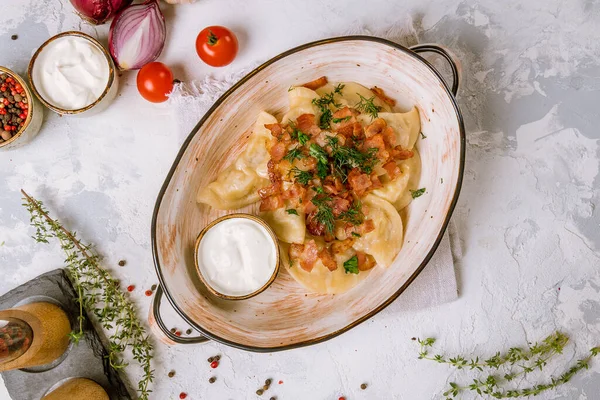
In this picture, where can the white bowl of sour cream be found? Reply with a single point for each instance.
(237, 256)
(72, 73)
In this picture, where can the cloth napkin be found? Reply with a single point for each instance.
(436, 284)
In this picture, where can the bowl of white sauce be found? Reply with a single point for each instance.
(237, 256)
(73, 74)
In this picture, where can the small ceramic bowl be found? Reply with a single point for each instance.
(271, 234)
(107, 96)
(33, 122)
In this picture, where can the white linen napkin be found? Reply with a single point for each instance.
(436, 284)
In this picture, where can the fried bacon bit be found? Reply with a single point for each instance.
(306, 254)
(327, 259)
(313, 226)
(359, 132)
(400, 153)
(276, 129)
(278, 151)
(340, 205)
(317, 83)
(307, 124)
(376, 183)
(341, 246)
(359, 182)
(380, 93)
(294, 192)
(377, 142)
(272, 189)
(389, 136)
(271, 203)
(333, 185)
(365, 261)
(392, 169)
(376, 127)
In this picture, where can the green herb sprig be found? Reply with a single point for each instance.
(518, 361)
(351, 265)
(417, 193)
(345, 158)
(98, 293)
(324, 213)
(368, 106)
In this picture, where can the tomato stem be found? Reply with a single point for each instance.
(212, 38)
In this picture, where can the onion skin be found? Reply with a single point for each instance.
(131, 47)
(99, 11)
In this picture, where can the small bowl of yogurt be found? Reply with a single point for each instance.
(237, 256)
(73, 74)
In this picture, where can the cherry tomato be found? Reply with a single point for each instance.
(217, 46)
(155, 82)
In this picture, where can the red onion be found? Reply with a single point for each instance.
(99, 11)
(137, 35)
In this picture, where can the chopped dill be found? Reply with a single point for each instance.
(323, 103)
(325, 119)
(354, 215)
(417, 193)
(302, 177)
(319, 189)
(291, 211)
(291, 88)
(293, 154)
(346, 158)
(324, 213)
(367, 106)
(338, 120)
(338, 88)
(351, 266)
(356, 235)
(423, 136)
(318, 152)
(297, 134)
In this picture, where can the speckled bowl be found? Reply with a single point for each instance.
(32, 124)
(285, 315)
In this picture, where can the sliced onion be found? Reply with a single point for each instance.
(99, 11)
(137, 35)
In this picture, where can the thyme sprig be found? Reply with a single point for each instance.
(98, 293)
(518, 361)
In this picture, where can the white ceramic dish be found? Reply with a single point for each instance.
(284, 316)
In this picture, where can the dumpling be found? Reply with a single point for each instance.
(395, 190)
(234, 188)
(289, 228)
(406, 125)
(413, 168)
(300, 99)
(385, 242)
(321, 279)
(237, 185)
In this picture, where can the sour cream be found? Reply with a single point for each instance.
(237, 256)
(71, 72)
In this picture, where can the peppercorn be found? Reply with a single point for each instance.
(259, 392)
(171, 374)
(268, 382)
(14, 37)
(122, 263)
(265, 388)
(173, 330)
(210, 359)
(217, 357)
(273, 398)
(188, 332)
(212, 379)
(153, 288)
(363, 386)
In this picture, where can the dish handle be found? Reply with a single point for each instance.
(158, 327)
(452, 60)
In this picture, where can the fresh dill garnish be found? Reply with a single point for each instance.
(319, 189)
(297, 134)
(291, 88)
(354, 214)
(423, 136)
(324, 213)
(346, 158)
(417, 193)
(367, 106)
(338, 120)
(318, 152)
(357, 235)
(351, 266)
(291, 211)
(338, 88)
(323, 103)
(302, 177)
(325, 119)
(322, 170)
(293, 154)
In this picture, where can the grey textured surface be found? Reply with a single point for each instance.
(527, 217)
(85, 359)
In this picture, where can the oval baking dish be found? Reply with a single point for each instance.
(284, 316)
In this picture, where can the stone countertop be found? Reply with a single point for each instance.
(527, 214)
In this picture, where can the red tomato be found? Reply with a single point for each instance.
(155, 82)
(217, 46)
